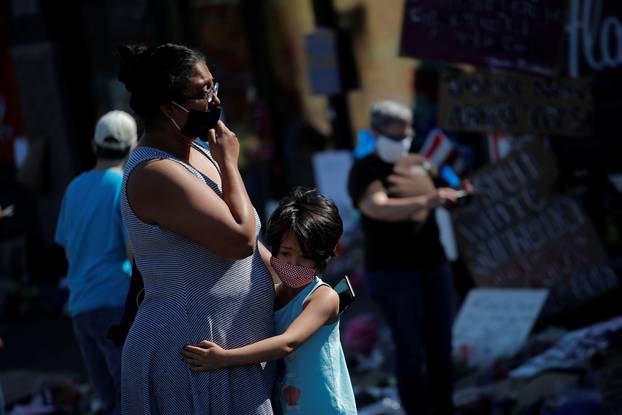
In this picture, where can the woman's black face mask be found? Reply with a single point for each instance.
(198, 123)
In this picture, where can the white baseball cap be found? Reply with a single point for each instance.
(116, 130)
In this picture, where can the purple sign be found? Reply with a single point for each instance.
(524, 35)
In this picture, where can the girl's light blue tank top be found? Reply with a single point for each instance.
(315, 377)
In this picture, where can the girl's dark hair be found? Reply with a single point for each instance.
(313, 219)
(156, 74)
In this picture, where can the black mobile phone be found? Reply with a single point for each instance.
(346, 293)
(464, 197)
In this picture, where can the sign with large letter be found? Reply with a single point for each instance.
(594, 36)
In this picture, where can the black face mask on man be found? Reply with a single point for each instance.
(198, 123)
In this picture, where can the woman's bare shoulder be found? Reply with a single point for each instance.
(160, 175)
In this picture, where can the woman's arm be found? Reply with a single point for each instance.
(265, 257)
(164, 193)
(322, 307)
(225, 149)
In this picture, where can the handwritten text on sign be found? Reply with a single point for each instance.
(519, 235)
(513, 103)
(526, 35)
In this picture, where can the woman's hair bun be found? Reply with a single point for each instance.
(156, 74)
(132, 57)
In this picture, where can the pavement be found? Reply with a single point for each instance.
(39, 349)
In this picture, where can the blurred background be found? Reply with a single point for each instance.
(522, 97)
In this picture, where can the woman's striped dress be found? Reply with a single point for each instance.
(192, 294)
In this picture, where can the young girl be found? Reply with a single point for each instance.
(303, 232)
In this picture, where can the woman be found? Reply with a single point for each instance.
(193, 230)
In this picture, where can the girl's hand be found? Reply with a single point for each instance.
(205, 356)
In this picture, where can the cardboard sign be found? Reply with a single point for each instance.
(525, 35)
(511, 103)
(519, 235)
(494, 322)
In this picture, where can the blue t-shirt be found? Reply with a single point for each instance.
(92, 232)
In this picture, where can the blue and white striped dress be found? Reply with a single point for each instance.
(192, 294)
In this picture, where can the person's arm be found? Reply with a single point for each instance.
(265, 257)
(225, 149)
(129, 251)
(164, 193)
(377, 204)
(322, 308)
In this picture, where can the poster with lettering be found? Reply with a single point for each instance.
(594, 50)
(524, 35)
(593, 37)
(512, 103)
(520, 234)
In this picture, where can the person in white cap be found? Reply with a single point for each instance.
(91, 231)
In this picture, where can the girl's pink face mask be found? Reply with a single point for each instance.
(293, 276)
